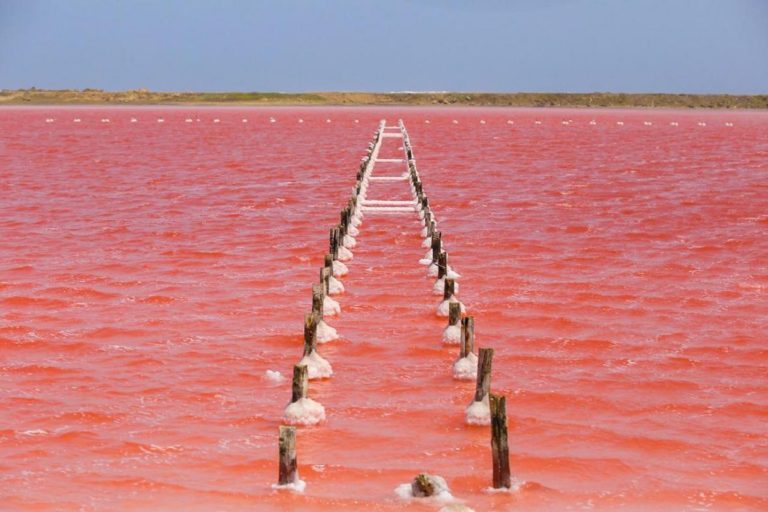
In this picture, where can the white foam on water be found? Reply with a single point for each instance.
(442, 492)
(456, 507)
(335, 286)
(325, 332)
(515, 486)
(330, 306)
(34, 432)
(444, 306)
(297, 485)
(452, 334)
(339, 269)
(317, 367)
(345, 254)
(465, 368)
(349, 242)
(479, 413)
(274, 376)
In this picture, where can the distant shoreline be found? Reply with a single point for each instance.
(586, 100)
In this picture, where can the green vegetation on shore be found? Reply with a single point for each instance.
(523, 99)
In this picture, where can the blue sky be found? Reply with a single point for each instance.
(702, 46)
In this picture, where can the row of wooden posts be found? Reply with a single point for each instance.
(340, 239)
(446, 278)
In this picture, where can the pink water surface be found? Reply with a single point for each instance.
(152, 272)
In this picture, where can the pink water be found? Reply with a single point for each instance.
(150, 274)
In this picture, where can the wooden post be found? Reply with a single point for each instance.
(422, 486)
(310, 333)
(499, 445)
(325, 277)
(328, 263)
(436, 245)
(300, 386)
(454, 313)
(442, 265)
(318, 296)
(448, 290)
(467, 336)
(334, 243)
(343, 218)
(484, 359)
(287, 454)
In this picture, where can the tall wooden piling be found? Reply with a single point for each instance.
(300, 385)
(484, 360)
(334, 243)
(318, 297)
(325, 280)
(448, 291)
(436, 245)
(442, 265)
(287, 455)
(467, 336)
(499, 445)
(454, 313)
(310, 333)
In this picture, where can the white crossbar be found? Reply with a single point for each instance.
(388, 178)
(387, 209)
(382, 202)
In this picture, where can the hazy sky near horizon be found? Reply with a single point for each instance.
(701, 46)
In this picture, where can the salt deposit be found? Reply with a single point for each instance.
(325, 332)
(465, 368)
(317, 367)
(330, 306)
(444, 307)
(452, 334)
(479, 413)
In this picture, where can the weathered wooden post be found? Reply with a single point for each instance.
(318, 300)
(484, 364)
(436, 246)
(499, 445)
(452, 332)
(449, 297)
(300, 384)
(287, 453)
(478, 412)
(422, 486)
(467, 336)
(465, 367)
(317, 367)
(302, 410)
(339, 268)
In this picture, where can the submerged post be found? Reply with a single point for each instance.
(287, 454)
(467, 336)
(483, 388)
(499, 444)
(422, 486)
